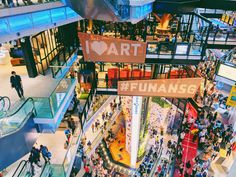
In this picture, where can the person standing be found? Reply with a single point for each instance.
(45, 153)
(229, 151)
(188, 166)
(17, 84)
(106, 80)
(31, 161)
(93, 127)
(36, 156)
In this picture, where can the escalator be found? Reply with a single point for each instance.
(24, 170)
(18, 133)
(21, 169)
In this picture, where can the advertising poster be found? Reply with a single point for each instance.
(232, 97)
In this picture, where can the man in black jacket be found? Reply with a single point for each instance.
(17, 84)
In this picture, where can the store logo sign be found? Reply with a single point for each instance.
(174, 88)
(99, 48)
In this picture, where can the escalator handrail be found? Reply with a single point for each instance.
(23, 161)
(5, 97)
(46, 163)
(22, 123)
(28, 99)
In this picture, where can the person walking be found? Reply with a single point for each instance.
(161, 141)
(71, 124)
(17, 84)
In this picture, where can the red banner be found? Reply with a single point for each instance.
(98, 48)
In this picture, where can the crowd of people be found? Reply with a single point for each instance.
(101, 124)
(211, 135)
(147, 164)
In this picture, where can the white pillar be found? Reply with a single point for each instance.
(135, 128)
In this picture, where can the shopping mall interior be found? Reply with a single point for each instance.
(118, 88)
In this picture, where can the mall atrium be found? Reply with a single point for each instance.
(118, 88)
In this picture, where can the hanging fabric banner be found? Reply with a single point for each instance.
(98, 48)
(174, 88)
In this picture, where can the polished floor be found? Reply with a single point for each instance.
(41, 86)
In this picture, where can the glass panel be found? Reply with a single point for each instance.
(59, 94)
(53, 171)
(195, 49)
(43, 107)
(47, 107)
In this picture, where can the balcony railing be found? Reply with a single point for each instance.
(47, 107)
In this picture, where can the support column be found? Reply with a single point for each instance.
(135, 129)
(29, 57)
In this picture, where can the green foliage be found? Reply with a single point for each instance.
(161, 102)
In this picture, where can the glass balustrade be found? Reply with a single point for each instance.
(53, 170)
(47, 107)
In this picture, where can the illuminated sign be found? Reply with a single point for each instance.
(99, 48)
(228, 72)
(181, 49)
(174, 88)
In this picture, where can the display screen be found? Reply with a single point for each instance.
(181, 49)
(152, 48)
(228, 72)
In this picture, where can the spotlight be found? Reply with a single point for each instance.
(22, 40)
